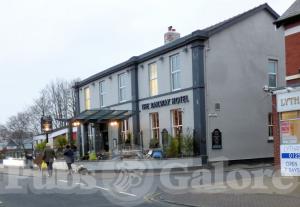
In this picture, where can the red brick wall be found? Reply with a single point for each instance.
(292, 49)
(276, 133)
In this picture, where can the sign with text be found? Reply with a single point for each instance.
(288, 101)
(290, 160)
(216, 137)
(165, 102)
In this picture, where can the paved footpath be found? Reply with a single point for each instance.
(222, 195)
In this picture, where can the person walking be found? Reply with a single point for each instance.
(48, 157)
(69, 157)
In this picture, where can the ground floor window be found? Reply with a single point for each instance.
(176, 115)
(91, 137)
(125, 132)
(270, 124)
(154, 119)
(290, 127)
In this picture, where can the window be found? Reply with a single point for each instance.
(270, 124)
(175, 72)
(87, 98)
(102, 93)
(272, 73)
(176, 122)
(124, 131)
(91, 138)
(154, 118)
(122, 87)
(290, 127)
(153, 79)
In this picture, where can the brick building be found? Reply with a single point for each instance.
(286, 100)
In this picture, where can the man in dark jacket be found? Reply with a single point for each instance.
(48, 157)
(69, 157)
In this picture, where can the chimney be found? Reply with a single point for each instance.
(171, 35)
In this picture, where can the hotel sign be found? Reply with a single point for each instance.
(165, 102)
(288, 101)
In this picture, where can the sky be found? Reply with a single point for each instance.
(43, 40)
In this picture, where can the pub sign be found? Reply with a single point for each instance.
(216, 137)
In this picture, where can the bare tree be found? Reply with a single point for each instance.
(18, 127)
(4, 133)
(57, 100)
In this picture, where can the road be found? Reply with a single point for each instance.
(18, 188)
(125, 188)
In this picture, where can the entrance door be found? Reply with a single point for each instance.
(104, 136)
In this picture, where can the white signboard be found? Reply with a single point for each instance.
(288, 101)
(290, 160)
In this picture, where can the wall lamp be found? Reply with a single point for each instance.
(113, 123)
(76, 124)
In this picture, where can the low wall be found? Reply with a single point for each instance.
(141, 164)
(111, 165)
(14, 162)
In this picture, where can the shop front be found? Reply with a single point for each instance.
(288, 108)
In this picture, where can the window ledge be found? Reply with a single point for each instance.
(270, 139)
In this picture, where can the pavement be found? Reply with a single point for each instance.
(243, 185)
(260, 191)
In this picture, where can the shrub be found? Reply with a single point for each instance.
(40, 146)
(60, 142)
(154, 143)
(173, 148)
(92, 156)
(187, 145)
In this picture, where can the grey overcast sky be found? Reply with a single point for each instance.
(42, 40)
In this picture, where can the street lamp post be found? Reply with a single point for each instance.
(46, 125)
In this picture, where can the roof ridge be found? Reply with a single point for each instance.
(232, 20)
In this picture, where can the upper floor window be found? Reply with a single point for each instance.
(123, 87)
(272, 73)
(153, 79)
(175, 72)
(102, 93)
(87, 98)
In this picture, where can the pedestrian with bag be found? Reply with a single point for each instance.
(48, 157)
(69, 157)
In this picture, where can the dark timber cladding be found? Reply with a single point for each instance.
(199, 100)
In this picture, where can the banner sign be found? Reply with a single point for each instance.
(288, 101)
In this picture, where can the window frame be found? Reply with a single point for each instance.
(102, 93)
(177, 71)
(124, 130)
(154, 129)
(152, 79)
(87, 101)
(177, 127)
(275, 61)
(271, 125)
(122, 87)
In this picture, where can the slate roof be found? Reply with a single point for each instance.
(196, 35)
(292, 12)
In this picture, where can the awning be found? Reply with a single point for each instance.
(95, 115)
